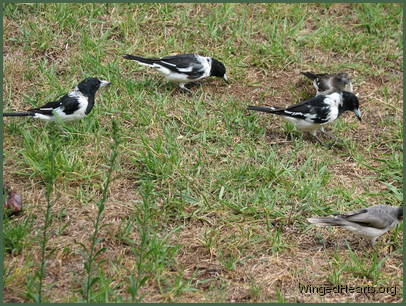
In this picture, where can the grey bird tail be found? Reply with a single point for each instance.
(141, 60)
(310, 75)
(263, 109)
(327, 221)
(19, 114)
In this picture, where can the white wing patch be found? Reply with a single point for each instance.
(145, 64)
(188, 69)
(170, 64)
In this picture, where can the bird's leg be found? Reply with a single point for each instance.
(196, 83)
(64, 132)
(314, 134)
(334, 138)
(328, 134)
(182, 85)
(318, 140)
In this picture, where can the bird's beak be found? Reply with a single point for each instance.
(225, 78)
(104, 83)
(357, 113)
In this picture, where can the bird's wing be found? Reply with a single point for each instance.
(367, 217)
(181, 60)
(313, 110)
(187, 64)
(46, 109)
(69, 104)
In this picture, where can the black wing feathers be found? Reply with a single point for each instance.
(313, 109)
(181, 61)
(69, 106)
(46, 109)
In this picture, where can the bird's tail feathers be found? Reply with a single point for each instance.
(18, 114)
(327, 221)
(310, 75)
(263, 109)
(141, 60)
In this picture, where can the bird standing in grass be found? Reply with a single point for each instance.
(184, 68)
(369, 223)
(328, 83)
(310, 115)
(72, 106)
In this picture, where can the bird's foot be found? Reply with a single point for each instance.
(317, 139)
(183, 86)
(64, 132)
(329, 135)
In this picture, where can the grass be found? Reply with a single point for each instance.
(208, 202)
(50, 182)
(92, 252)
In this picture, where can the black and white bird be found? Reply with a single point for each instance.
(327, 83)
(312, 114)
(184, 68)
(72, 106)
(369, 223)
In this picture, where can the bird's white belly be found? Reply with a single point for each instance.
(44, 117)
(79, 114)
(172, 76)
(59, 113)
(303, 125)
(367, 232)
(179, 78)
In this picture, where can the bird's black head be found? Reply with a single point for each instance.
(89, 86)
(351, 103)
(218, 69)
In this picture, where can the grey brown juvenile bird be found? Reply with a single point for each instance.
(327, 83)
(370, 223)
